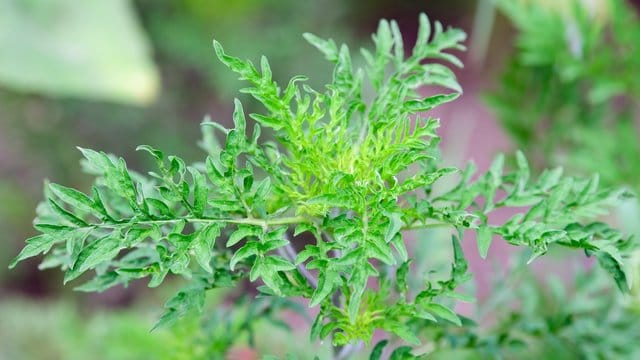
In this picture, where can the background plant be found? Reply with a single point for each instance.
(554, 317)
(574, 80)
(572, 76)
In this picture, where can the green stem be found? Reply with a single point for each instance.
(249, 221)
(420, 225)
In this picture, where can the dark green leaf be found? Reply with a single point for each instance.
(376, 353)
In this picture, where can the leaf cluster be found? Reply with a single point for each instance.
(353, 167)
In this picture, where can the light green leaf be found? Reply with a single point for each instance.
(426, 104)
(398, 244)
(66, 215)
(242, 232)
(50, 48)
(203, 245)
(395, 224)
(97, 252)
(276, 263)
(200, 192)
(485, 236)
(247, 250)
(183, 302)
(404, 332)
(36, 245)
(327, 47)
(327, 280)
(73, 197)
(443, 312)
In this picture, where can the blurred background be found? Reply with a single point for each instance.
(558, 79)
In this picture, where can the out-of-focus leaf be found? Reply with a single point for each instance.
(87, 49)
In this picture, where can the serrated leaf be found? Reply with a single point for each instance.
(238, 117)
(73, 197)
(97, 159)
(316, 327)
(358, 284)
(100, 283)
(376, 353)
(402, 353)
(309, 251)
(96, 252)
(380, 250)
(242, 232)
(327, 280)
(65, 214)
(495, 171)
(395, 224)
(155, 153)
(200, 192)
(247, 250)
(401, 277)
(424, 31)
(157, 277)
(398, 244)
(615, 268)
(443, 312)
(349, 257)
(327, 47)
(328, 328)
(426, 104)
(36, 245)
(263, 188)
(159, 205)
(404, 332)
(268, 121)
(203, 245)
(275, 263)
(485, 236)
(461, 297)
(179, 305)
(53, 228)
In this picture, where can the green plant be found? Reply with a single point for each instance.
(353, 168)
(568, 95)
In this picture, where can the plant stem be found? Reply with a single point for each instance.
(422, 225)
(290, 253)
(249, 221)
(348, 350)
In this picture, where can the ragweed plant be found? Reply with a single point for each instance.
(352, 166)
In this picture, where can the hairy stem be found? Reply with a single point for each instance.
(249, 221)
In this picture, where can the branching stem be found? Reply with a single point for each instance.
(249, 221)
